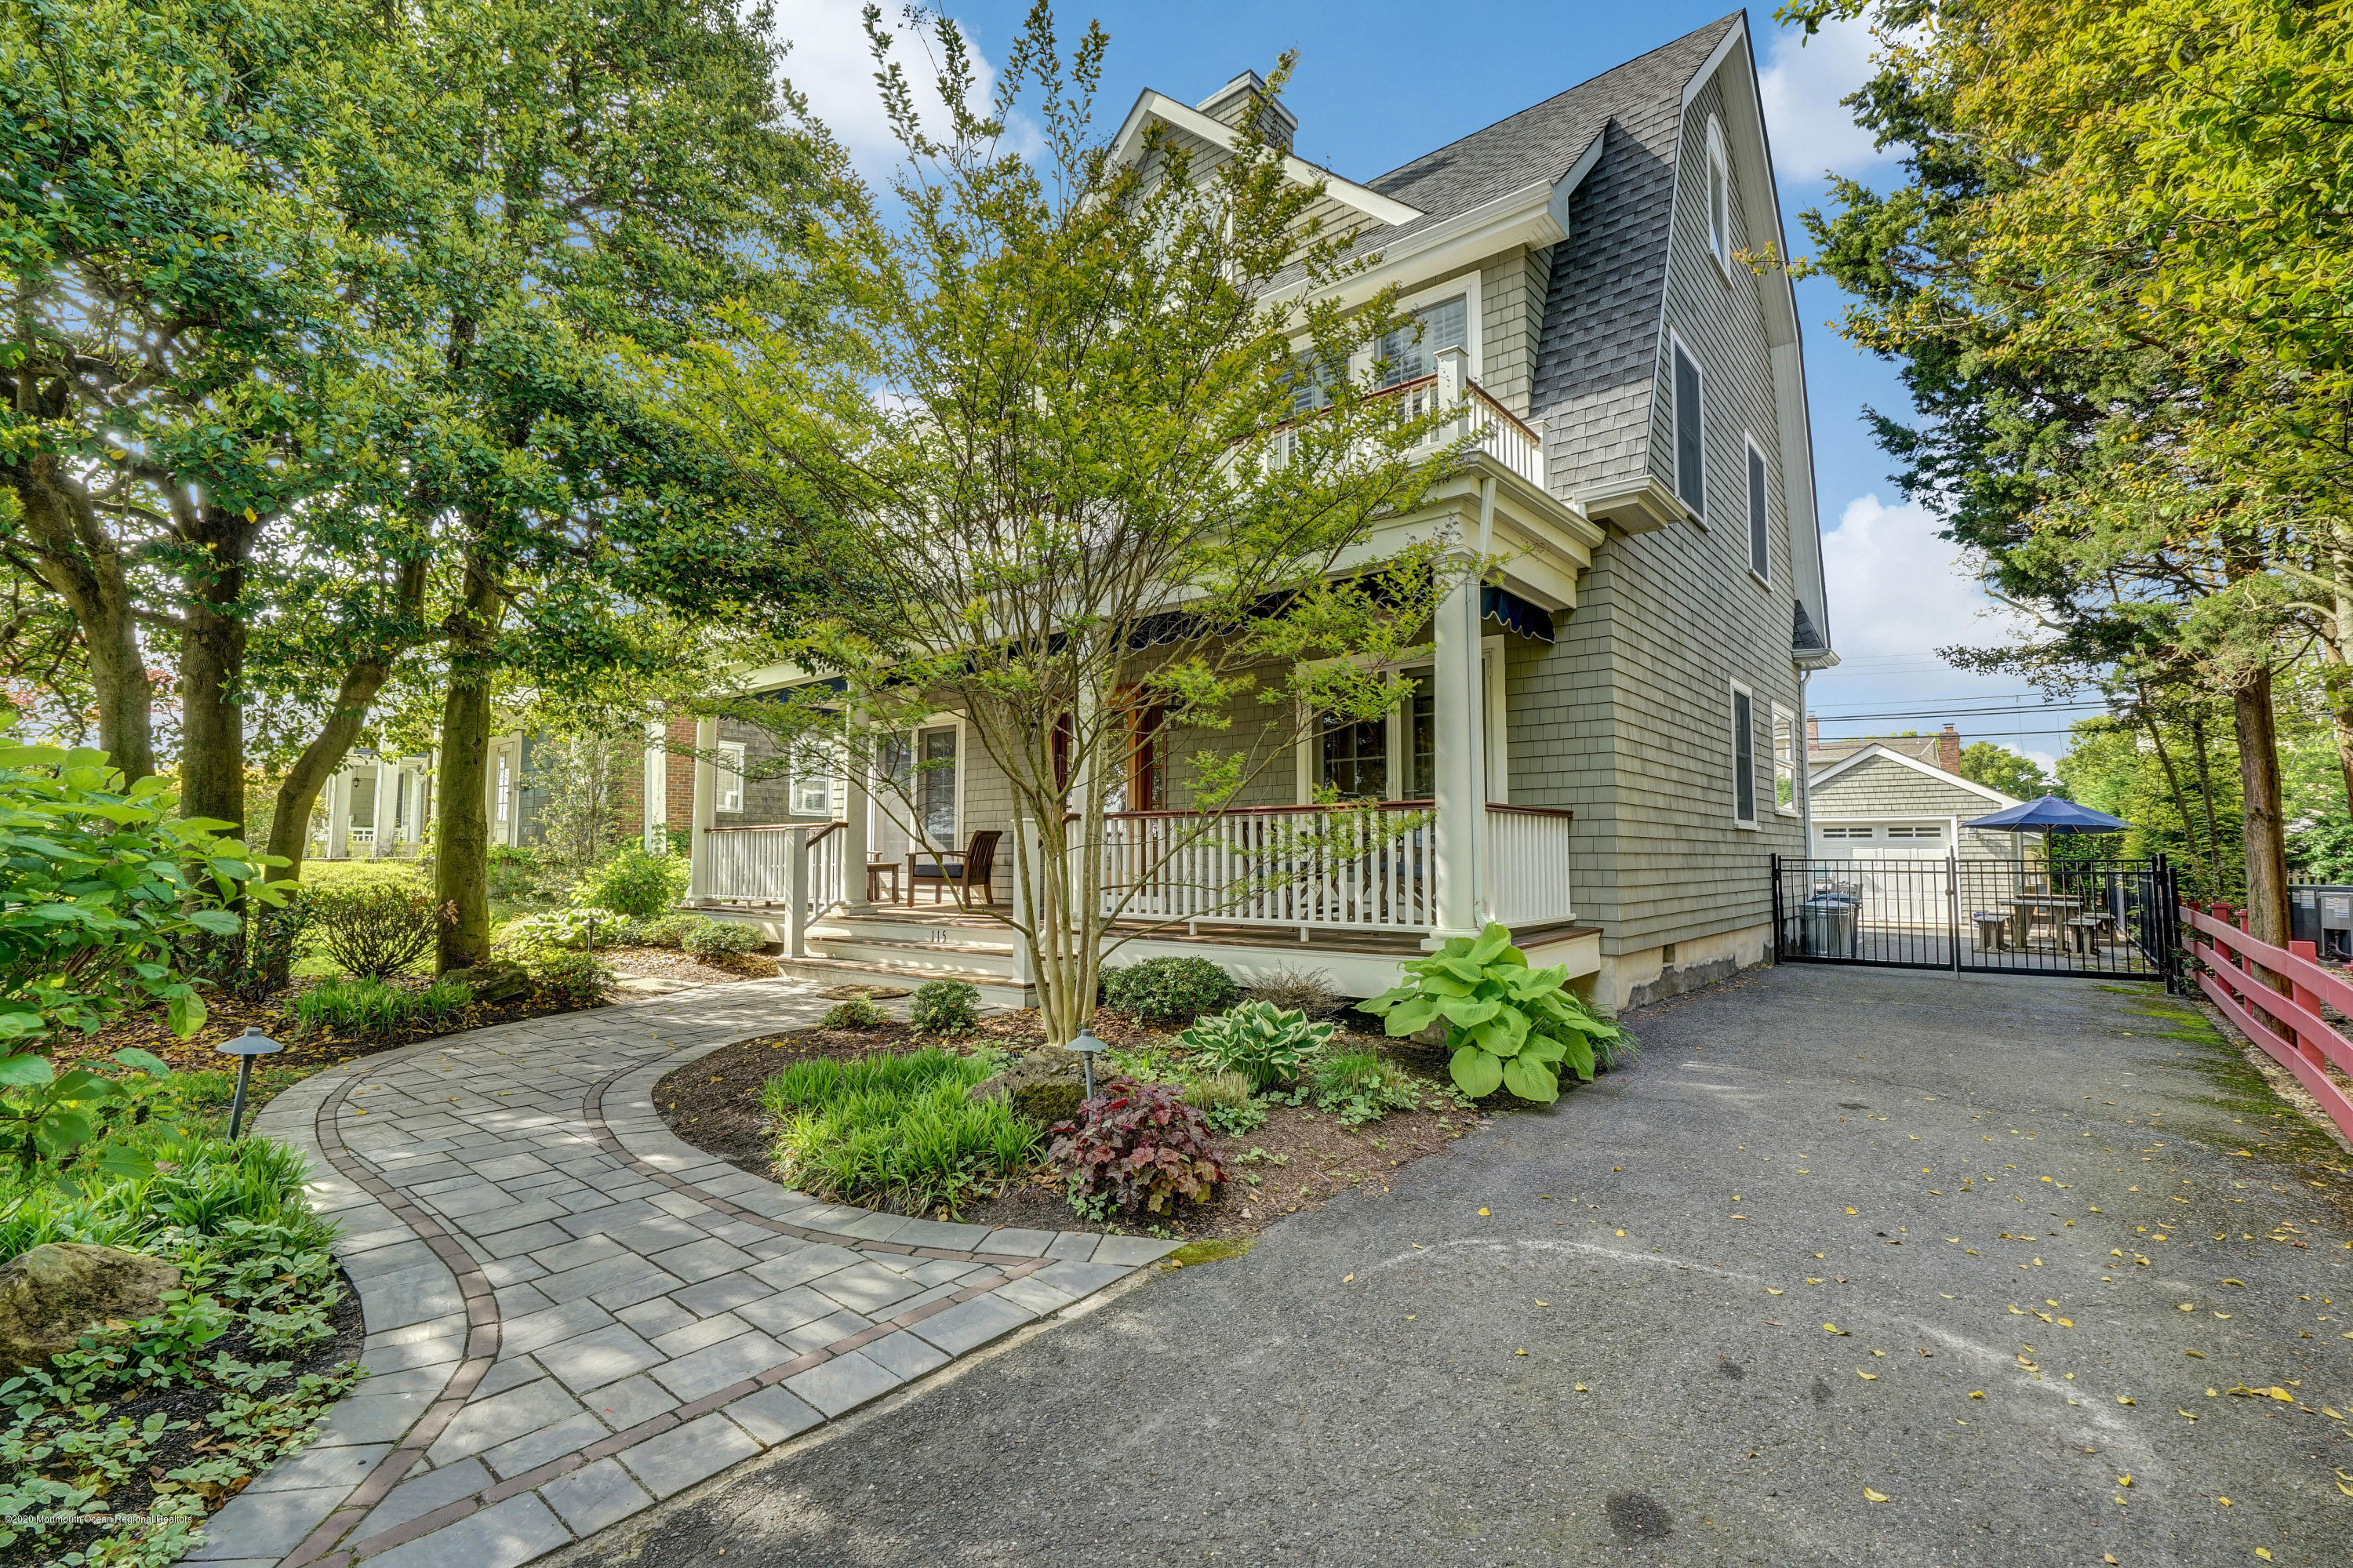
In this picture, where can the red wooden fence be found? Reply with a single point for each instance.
(2290, 1026)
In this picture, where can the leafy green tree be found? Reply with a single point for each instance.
(1082, 482)
(2000, 768)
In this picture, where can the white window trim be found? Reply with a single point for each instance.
(727, 785)
(505, 789)
(1399, 735)
(1466, 284)
(1719, 167)
(1797, 744)
(821, 779)
(1737, 690)
(1750, 447)
(1675, 344)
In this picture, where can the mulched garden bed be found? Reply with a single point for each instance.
(174, 1449)
(1300, 1158)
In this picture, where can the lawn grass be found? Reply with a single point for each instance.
(895, 1131)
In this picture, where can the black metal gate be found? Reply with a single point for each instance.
(2117, 919)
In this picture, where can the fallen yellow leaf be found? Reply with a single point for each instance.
(2264, 1553)
(1867, 1377)
(1770, 1291)
(1482, 1210)
(2122, 1399)
(1832, 1329)
(2185, 1416)
(1978, 1394)
(1869, 1495)
(1346, 1278)
(1541, 1303)
(1519, 1352)
(2224, 1501)
(2124, 1480)
(1850, 1211)
(1582, 1389)
(1621, 1232)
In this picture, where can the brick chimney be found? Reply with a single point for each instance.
(1948, 750)
(1814, 731)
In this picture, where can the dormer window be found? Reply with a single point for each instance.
(1719, 199)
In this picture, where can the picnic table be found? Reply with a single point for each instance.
(2026, 908)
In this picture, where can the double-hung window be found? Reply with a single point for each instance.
(1785, 759)
(727, 789)
(1691, 452)
(1760, 554)
(1408, 355)
(813, 791)
(1743, 758)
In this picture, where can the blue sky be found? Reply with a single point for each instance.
(1379, 83)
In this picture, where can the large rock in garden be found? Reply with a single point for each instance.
(494, 981)
(1046, 1087)
(50, 1295)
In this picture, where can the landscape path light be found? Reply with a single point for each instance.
(245, 1048)
(1087, 1046)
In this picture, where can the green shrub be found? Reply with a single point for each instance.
(1265, 1044)
(1508, 1026)
(670, 931)
(635, 882)
(1360, 1087)
(896, 1130)
(1169, 990)
(378, 931)
(712, 938)
(945, 1007)
(1226, 1101)
(99, 883)
(376, 1007)
(574, 929)
(517, 874)
(1135, 1147)
(579, 980)
(856, 1013)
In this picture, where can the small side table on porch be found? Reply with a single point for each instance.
(876, 871)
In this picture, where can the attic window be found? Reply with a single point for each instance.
(1719, 199)
(1691, 483)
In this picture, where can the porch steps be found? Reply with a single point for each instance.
(956, 959)
(996, 988)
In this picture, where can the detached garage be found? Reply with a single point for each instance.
(1882, 805)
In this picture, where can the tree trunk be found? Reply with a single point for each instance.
(461, 843)
(2336, 674)
(2259, 785)
(212, 671)
(2180, 801)
(77, 557)
(290, 827)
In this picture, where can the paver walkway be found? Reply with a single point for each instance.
(571, 1314)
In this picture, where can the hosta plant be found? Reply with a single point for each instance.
(1507, 1025)
(1258, 1040)
(1135, 1146)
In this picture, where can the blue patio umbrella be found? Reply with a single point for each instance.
(2050, 814)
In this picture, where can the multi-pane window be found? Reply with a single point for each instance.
(1785, 759)
(1408, 354)
(1759, 552)
(1690, 481)
(1743, 758)
(1845, 834)
(935, 791)
(506, 786)
(1936, 834)
(727, 787)
(812, 792)
(1354, 757)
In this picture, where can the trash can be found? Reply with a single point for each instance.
(1827, 927)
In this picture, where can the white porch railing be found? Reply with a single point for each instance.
(1502, 435)
(1527, 864)
(770, 865)
(1492, 428)
(1362, 867)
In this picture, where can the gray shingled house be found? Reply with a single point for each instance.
(1630, 688)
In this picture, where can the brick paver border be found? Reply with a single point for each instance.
(559, 1140)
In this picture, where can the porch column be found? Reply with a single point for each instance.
(706, 803)
(857, 812)
(1461, 744)
(339, 815)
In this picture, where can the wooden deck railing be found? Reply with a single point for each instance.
(2238, 978)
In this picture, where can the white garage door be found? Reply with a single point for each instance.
(1882, 852)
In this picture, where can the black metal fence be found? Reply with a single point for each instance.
(2113, 917)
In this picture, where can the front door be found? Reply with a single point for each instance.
(915, 792)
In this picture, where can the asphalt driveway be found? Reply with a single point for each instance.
(1981, 1247)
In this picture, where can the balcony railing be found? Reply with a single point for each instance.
(1491, 428)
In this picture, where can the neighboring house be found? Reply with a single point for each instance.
(1630, 685)
(381, 807)
(1942, 750)
(1882, 803)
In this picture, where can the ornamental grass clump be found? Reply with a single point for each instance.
(896, 1130)
(1226, 1101)
(1508, 1026)
(1136, 1147)
(1262, 1041)
(378, 1007)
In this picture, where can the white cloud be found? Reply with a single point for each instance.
(1803, 79)
(831, 64)
(1898, 591)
